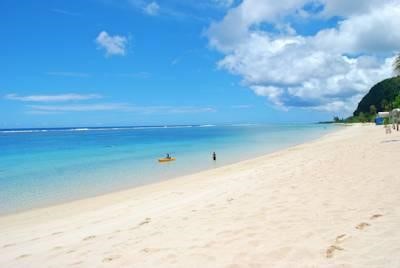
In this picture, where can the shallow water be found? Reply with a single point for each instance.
(40, 167)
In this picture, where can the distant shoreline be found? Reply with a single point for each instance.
(10, 130)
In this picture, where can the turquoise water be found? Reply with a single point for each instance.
(40, 167)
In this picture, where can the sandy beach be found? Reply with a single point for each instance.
(333, 202)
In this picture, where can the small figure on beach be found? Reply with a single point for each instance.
(214, 156)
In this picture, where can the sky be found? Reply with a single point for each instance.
(139, 62)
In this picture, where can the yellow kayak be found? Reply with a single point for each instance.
(162, 160)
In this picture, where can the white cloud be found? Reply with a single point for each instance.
(235, 26)
(271, 92)
(122, 107)
(78, 107)
(65, 12)
(52, 98)
(330, 70)
(372, 32)
(68, 74)
(113, 45)
(347, 8)
(152, 9)
(95, 107)
(241, 106)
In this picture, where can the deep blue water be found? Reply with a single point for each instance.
(40, 167)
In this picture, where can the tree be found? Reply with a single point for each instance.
(386, 106)
(362, 118)
(384, 103)
(396, 65)
(372, 110)
(396, 102)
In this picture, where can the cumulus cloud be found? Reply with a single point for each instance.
(330, 70)
(52, 98)
(372, 32)
(235, 27)
(347, 8)
(113, 45)
(152, 9)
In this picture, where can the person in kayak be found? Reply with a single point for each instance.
(214, 156)
(168, 156)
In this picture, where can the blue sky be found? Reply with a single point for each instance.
(137, 62)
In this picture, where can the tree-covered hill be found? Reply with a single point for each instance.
(381, 96)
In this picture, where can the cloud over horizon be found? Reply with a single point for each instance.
(73, 103)
(52, 98)
(329, 70)
(122, 107)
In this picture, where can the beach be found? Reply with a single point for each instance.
(49, 166)
(332, 202)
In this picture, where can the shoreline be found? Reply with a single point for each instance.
(332, 201)
(248, 157)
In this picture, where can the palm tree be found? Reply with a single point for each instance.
(396, 65)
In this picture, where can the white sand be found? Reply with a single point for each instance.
(295, 208)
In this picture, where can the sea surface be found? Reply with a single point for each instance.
(42, 167)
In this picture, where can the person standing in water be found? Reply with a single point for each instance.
(214, 156)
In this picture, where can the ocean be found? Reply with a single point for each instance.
(42, 167)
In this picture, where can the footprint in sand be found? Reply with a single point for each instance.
(90, 237)
(375, 216)
(362, 226)
(151, 250)
(341, 238)
(146, 221)
(331, 250)
(23, 256)
(8, 245)
(57, 233)
(111, 258)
